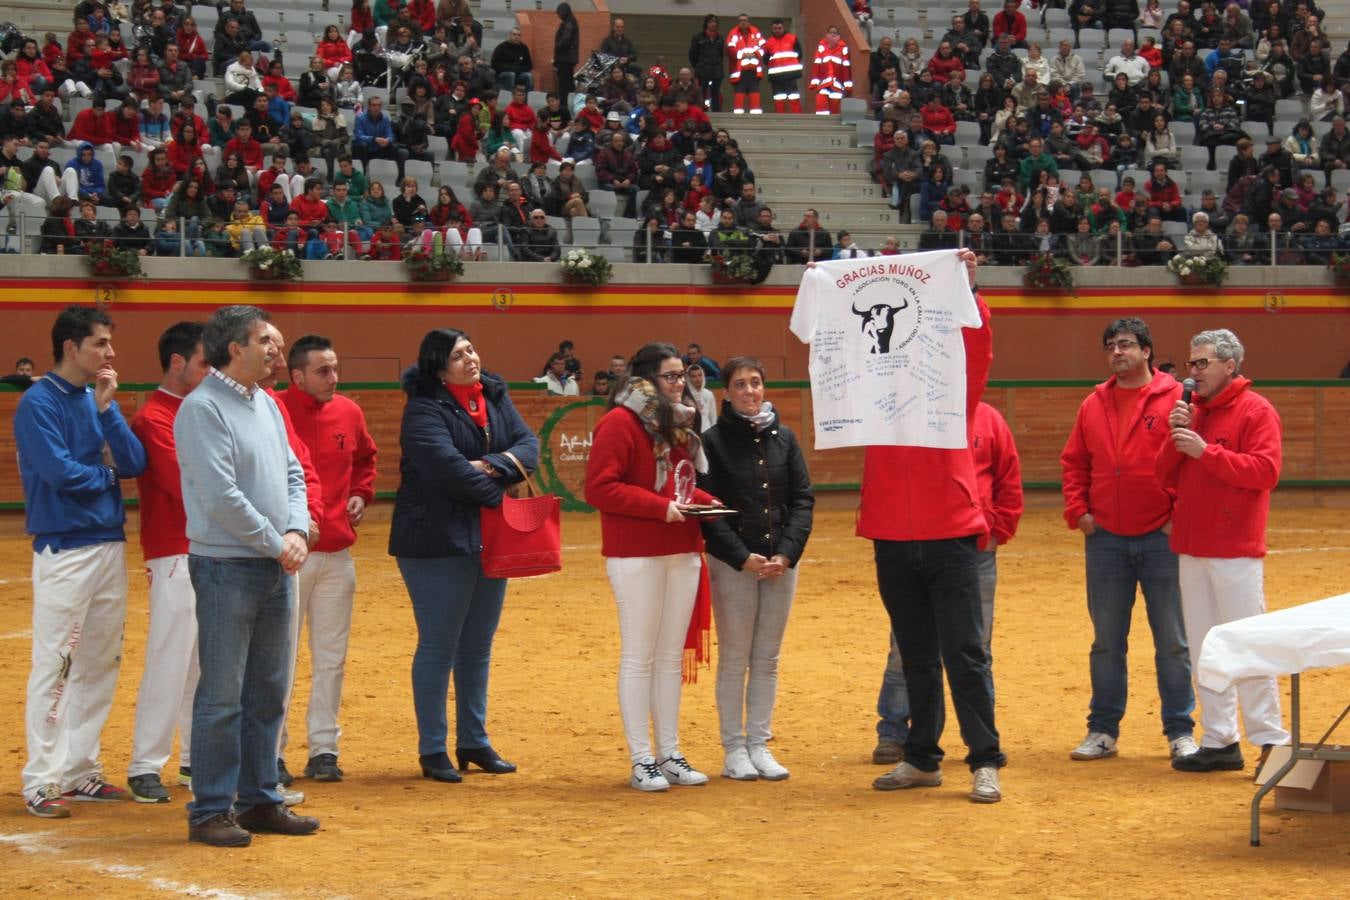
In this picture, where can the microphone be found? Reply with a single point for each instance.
(1187, 387)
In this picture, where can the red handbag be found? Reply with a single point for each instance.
(523, 536)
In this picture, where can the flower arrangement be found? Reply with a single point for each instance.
(738, 267)
(1048, 272)
(582, 265)
(1340, 267)
(108, 258)
(265, 262)
(1198, 269)
(423, 266)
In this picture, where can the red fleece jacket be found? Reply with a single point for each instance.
(160, 486)
(998, 472)
(343, 454)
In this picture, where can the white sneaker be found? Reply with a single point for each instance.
(678, 771)
(289, 797)
(647, 776)
(907, 776)
(984, 788)
(1095, 746)
(767, 767)
(738, 767)
(1183, 746)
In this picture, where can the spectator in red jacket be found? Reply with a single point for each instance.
(944, 62)
(192, 47)
(1223, 460)
(124, 125)
(310, 206)
(250, 152)
(158, 180)
(92, 125)
(1010, 21)
(939, 124)
(1164, 196)
(1111, 495)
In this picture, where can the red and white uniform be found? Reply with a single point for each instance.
(1219, 535)
(831, 76)
(784, 55)
(745, 52)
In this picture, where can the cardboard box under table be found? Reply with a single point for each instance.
(1289, 642)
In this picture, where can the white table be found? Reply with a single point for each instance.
(1289, 642)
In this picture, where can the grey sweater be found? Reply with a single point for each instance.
(243, 488)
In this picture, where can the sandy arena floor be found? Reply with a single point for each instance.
(567, 824)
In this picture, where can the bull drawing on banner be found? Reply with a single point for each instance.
(878, 323)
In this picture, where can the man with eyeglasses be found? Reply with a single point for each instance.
(1222, 461)
(1112, 496)
(539, 242)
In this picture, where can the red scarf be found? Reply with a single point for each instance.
(470, 396)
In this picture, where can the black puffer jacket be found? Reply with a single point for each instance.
(440, 493)
(762, 474)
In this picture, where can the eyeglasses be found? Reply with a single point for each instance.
(1121, 345)
(1201, 364)
(672, 377)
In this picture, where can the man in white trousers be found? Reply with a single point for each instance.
(333, 428)
(164, 702)
(1222, 461)
(74, 447)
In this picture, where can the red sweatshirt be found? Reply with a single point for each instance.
(120, 128)
(343, 453)
(313, 489)
(998, 472)
(1118, 487)
(160, 486)
(1223, 498)
(157, 183)
(90, 125)
(619, 479)
(311, 212)
(250, 151)
(926, 493)
(520, 115)
(938, 119)
(1158, 194)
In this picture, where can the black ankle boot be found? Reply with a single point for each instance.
(436, 766)
(484, 758)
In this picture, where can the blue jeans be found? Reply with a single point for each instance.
(244, 609)
(1115, 565)
(507, 80)
(931, 590)
(457, 610)
(893, 701)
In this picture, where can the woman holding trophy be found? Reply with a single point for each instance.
(645, 452)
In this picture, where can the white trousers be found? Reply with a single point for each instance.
(327, 587)
(79, 610)
(655, 598)
(751, 617)
(170, 678)
(455, 242)
(1215, 591)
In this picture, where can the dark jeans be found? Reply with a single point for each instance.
(1116, 566)
(712, 93)
(931, 590)
(244, 609)
(457, 610)
(566, 82)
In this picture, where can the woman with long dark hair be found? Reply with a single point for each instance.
(755, 464)
(706, 51)
(566, 49)
(462, 439)
(642, 450)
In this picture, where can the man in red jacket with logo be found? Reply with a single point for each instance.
(1222, 461)
(170, 680)
(334, 429)
(921, 511)
(1111, 495)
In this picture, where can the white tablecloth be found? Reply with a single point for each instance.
(1312, 636)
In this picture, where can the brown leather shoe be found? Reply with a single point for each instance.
(887, 752)
(276, 819)
(219, 831)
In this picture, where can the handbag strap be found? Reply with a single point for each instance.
(529, 482)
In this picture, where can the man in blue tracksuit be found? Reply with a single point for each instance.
(74, 446)
(90, 173)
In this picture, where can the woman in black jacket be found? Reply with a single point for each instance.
(566, 49)
(754, 466)
(706, 51)
(458, 435)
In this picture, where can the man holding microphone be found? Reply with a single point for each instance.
(1222, 461)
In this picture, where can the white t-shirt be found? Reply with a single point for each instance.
(707, 408)
(888, 363)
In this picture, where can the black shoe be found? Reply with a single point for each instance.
(275, 818)
(1211, 759)
(147, 789)
(437, 767)
(284, 776)
(219, 831)
(324, 767)
(484, 758)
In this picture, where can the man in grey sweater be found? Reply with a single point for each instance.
(247, 523)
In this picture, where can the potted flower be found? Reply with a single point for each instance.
(1340, 268)
(1045, 271)
(582, 266)
(106, 258)
(1198, 269)
(424, 266)
(270, 264)
(737, 268)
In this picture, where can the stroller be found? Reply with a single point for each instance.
(592, 75)
(11, 38)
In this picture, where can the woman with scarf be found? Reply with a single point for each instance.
(462, 441)
(645, 448)
(756, 466)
